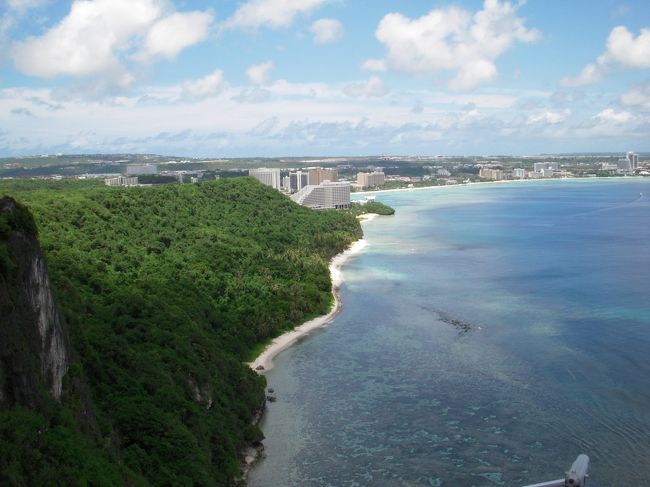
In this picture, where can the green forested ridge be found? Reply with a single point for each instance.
(165, 291)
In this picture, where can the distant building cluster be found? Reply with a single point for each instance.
(314, 187)
(519, 173)
(370, 179)
(491, 174)
(628, 164)
(540, 170)
(122, 181)
(130, 175)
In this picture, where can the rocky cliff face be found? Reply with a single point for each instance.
(34, 354)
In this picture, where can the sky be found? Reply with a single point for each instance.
(251, 78)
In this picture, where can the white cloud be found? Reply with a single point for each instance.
(623, 50)
(548, 117)
(260, 74)
(270, 13)
(452, 39)
(378, 65)
(87, 39)
(590, 74)
(264, 127)
(101, 37)
(326, 31)
(170, 35)
(284, 88)
(373, 87)
(610, 116)
(203, 87)
(638, 96)
(627, 50)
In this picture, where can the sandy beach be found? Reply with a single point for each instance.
(481, 183)
(284, 341)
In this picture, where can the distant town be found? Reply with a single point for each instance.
(324, 182)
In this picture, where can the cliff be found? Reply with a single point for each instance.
(34, 353)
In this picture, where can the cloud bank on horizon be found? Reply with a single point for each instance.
(323, 77)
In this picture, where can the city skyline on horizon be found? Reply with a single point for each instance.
(323, 78)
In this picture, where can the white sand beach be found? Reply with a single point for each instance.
(482, 183)
(265, 359)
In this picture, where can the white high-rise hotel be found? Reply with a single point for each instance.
(325, 195)
(270, 177)
(633, 160)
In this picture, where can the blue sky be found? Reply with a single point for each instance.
(324, 77)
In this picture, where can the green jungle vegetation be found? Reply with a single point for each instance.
(372, 207)
(165, 291)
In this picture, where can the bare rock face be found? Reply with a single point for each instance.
(34, 354)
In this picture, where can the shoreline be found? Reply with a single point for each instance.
(286, 340)
(505, 181)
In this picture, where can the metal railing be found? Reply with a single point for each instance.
(575, 477)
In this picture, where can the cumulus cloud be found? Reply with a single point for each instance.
(627, 50)
(86, 40)
(98, 37)
(611, 116)
(638, 97)
(22, 111)
(270, 13)
(548, 117)
(264, 127)
(260, 74)
(203, 87)
(170, 35)
(590, 74)
(452, 39)
(622, 50)
(373, 87)
(378, 65)
(326, 31)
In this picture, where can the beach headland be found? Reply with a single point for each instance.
(264, 361)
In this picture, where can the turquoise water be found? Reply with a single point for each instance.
(489, 334)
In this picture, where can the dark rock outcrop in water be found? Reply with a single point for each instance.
(34, 354)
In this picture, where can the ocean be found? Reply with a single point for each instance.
(489, 334)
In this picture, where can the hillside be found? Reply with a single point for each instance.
(164, 293)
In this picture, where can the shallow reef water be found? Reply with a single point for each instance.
(489, 334)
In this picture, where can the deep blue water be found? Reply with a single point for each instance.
(489, 334)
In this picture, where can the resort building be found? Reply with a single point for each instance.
(519, 173)
(297, 181)
(318, 175)
(608, 166)
(492, 174)
(121, 181)
(624, 166)
(370, 179)
(633, 159)
(270, 177)
(326, 195)
(542, 166)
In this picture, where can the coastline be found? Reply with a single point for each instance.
(505, 181)
(286, 340)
